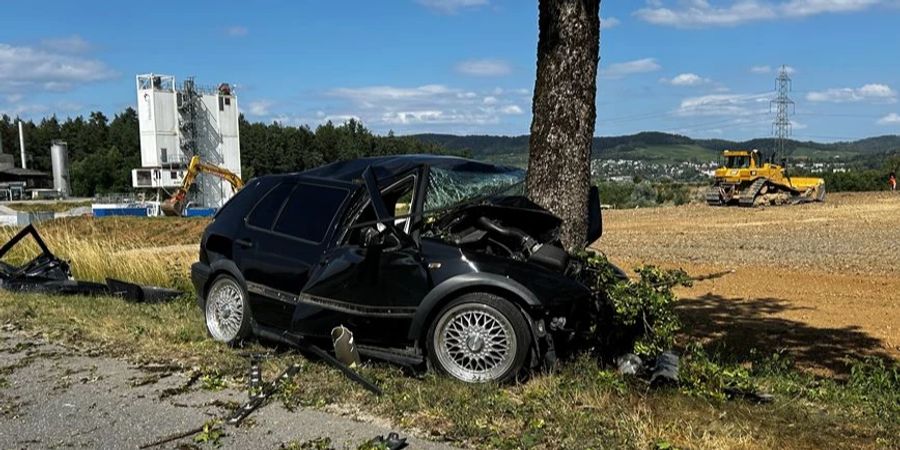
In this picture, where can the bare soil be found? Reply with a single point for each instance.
(817, 280)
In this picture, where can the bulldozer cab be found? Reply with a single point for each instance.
(741, 159)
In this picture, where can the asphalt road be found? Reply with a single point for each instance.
(55, 397)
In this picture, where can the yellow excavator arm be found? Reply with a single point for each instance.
(174, 206)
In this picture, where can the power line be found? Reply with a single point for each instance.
(781, 126)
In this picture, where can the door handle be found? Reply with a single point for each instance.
(245, 243)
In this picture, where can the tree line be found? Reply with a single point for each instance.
(102, 152)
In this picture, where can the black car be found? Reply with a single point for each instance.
(424, 258)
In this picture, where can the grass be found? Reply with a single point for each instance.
(581, 405)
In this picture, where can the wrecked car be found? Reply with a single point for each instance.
(426, 259)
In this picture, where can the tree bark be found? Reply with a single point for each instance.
(564, 112)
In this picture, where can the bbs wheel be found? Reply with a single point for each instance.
(479, 338)
(227, 315)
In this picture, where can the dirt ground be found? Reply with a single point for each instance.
(817, 280)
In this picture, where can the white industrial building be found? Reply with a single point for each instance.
(178, 122)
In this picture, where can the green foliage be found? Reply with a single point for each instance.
(634, 315)
(641, 194)
(705, 376)
(211, 434)
(213, 381)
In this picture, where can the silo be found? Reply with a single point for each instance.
(59, 159)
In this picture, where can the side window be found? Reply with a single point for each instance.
(265, 211)
(309, 211)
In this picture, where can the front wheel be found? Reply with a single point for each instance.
(226, 311)
(479, 338)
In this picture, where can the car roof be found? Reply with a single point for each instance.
(390, 166)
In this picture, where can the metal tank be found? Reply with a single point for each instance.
(59, 160)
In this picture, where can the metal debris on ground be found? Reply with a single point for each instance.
(258, 394)
(344, 346)
(393, 441)
(662, 371)
(48, 274)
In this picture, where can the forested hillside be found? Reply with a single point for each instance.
(661, 147)
(102, 152)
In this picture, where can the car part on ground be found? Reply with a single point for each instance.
(661, 372)
(48, 274)
(344, 346)
(393, 441)
(385, 246)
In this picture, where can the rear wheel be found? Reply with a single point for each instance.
(479, 338)
(226, 312)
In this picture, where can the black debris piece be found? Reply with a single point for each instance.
(393, 441)
(630, 364)
(665, 370)
(662, 371)
(48, 274)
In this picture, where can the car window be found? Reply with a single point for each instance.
(264, 213)
(309, 211)
(449, 188)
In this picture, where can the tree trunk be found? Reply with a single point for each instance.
(564, 112)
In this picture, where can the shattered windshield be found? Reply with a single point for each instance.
(451, 187)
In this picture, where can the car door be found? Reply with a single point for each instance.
(282, 239)
(374, 288)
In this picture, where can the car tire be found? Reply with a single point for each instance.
(225, 310)
(479, 338)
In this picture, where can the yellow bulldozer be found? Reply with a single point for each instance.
(746, 180)
(174, 206)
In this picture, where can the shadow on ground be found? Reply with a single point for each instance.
(737, 326)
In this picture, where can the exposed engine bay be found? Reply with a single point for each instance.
(518, 230)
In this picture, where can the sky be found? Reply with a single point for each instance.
(702, 68)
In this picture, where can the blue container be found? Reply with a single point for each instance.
(140, 211)
(199, 212)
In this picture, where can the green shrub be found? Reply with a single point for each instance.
(633, 316)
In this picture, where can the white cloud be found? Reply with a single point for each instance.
(624, 69)
(890, 119)
(429, 107)
(437, 117)
(761, 69)
(70, 44)
(27, 69)
(237, 31)
(259, 108)
(484, 67)
(685, 79)
(512, 110)
(722, 105)
(371, 94)
(451, 6)
(700, 13)
(609, 22)
(871, 92)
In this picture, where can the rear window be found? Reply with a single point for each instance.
(309, 211)
(267, 209)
